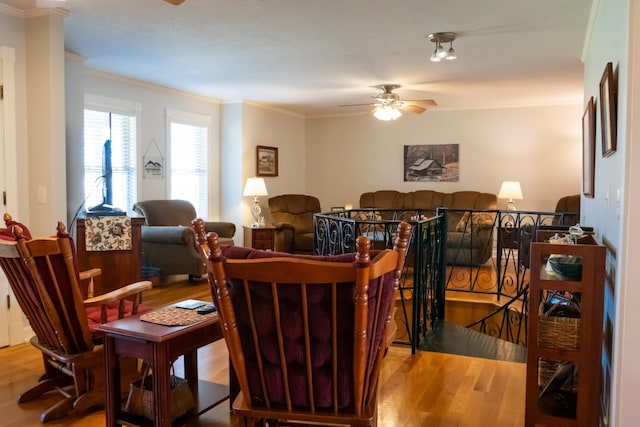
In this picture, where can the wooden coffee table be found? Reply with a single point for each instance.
(159, 346)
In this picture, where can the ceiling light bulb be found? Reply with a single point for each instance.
(441, 52)
(451, 54)
(435, 57)
(387, 113)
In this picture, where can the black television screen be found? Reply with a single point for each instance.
(106, 207)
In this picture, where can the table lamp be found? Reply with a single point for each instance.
(510, 190)
(253, 188)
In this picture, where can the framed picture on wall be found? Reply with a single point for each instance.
(608, 113)
(588, 147)
(266, 161)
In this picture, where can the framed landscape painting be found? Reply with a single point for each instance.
(432, 163)
(266, 161)
(588, 147)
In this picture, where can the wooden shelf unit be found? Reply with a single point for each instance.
(588, 353)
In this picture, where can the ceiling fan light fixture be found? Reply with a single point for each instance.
(386, 113)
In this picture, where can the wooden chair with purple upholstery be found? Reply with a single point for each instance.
(44, 277)
(307, 334)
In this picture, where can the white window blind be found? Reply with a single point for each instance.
(188, 159)
(104, 122)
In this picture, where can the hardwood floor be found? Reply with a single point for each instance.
(425, 389)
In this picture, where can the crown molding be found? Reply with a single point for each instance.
(150, 85)
(46, 11)
(10, 10)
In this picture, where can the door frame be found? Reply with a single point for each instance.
(10, 312)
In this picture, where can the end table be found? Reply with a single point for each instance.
(260, 238)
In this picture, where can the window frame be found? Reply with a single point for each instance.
(123, 107)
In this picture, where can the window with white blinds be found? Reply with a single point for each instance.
(113, 120)
(188, 159)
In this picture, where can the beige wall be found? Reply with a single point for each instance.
(538, 146)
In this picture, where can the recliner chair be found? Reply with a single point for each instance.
(292, 216)
(168, 240)
(570, 207)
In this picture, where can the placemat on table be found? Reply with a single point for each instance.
(174, 316)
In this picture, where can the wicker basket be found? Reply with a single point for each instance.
(559, 328)
(140, 400)
(546, 370)
(558, 332)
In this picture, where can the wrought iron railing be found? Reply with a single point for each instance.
(421, 286)
(435, 260)
(509, 321)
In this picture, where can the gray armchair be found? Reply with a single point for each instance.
(168, 240)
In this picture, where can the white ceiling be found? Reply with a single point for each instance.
(309, 56)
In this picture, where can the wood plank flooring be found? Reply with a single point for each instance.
(425, 389)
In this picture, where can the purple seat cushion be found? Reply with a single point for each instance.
(319, 311)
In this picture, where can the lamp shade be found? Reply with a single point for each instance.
(386, 113)
(510, 190)
(255, 187)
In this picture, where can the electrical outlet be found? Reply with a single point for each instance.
(42, 194)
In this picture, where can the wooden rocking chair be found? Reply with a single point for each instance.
(44, 277)
(307, 334)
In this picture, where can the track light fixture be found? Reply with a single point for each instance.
(440, 52)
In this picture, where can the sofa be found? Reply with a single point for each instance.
(168, 240)
(292, 217)
(469, 234)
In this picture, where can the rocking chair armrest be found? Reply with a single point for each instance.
(118, 294)
(89, 275)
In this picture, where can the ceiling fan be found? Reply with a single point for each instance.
(387, 105)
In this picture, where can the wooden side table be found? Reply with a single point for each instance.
(159, 346)
(260, 238)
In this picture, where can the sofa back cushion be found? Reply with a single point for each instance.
(429, 200)
(467, 200)
(166, 212)
(382, 199)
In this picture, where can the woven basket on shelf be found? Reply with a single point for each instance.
(547, 368)
(559, 331)
(140, 400)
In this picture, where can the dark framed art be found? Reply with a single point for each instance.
(266, 161)
(588, 147)
(608, 113)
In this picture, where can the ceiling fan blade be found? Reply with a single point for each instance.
(356, 105)
(422, 102)
(413, 108)
(175, 2)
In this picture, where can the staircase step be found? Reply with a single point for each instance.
(449, 338)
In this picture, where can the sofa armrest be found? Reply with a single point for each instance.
(224, 229)
(178, 234)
